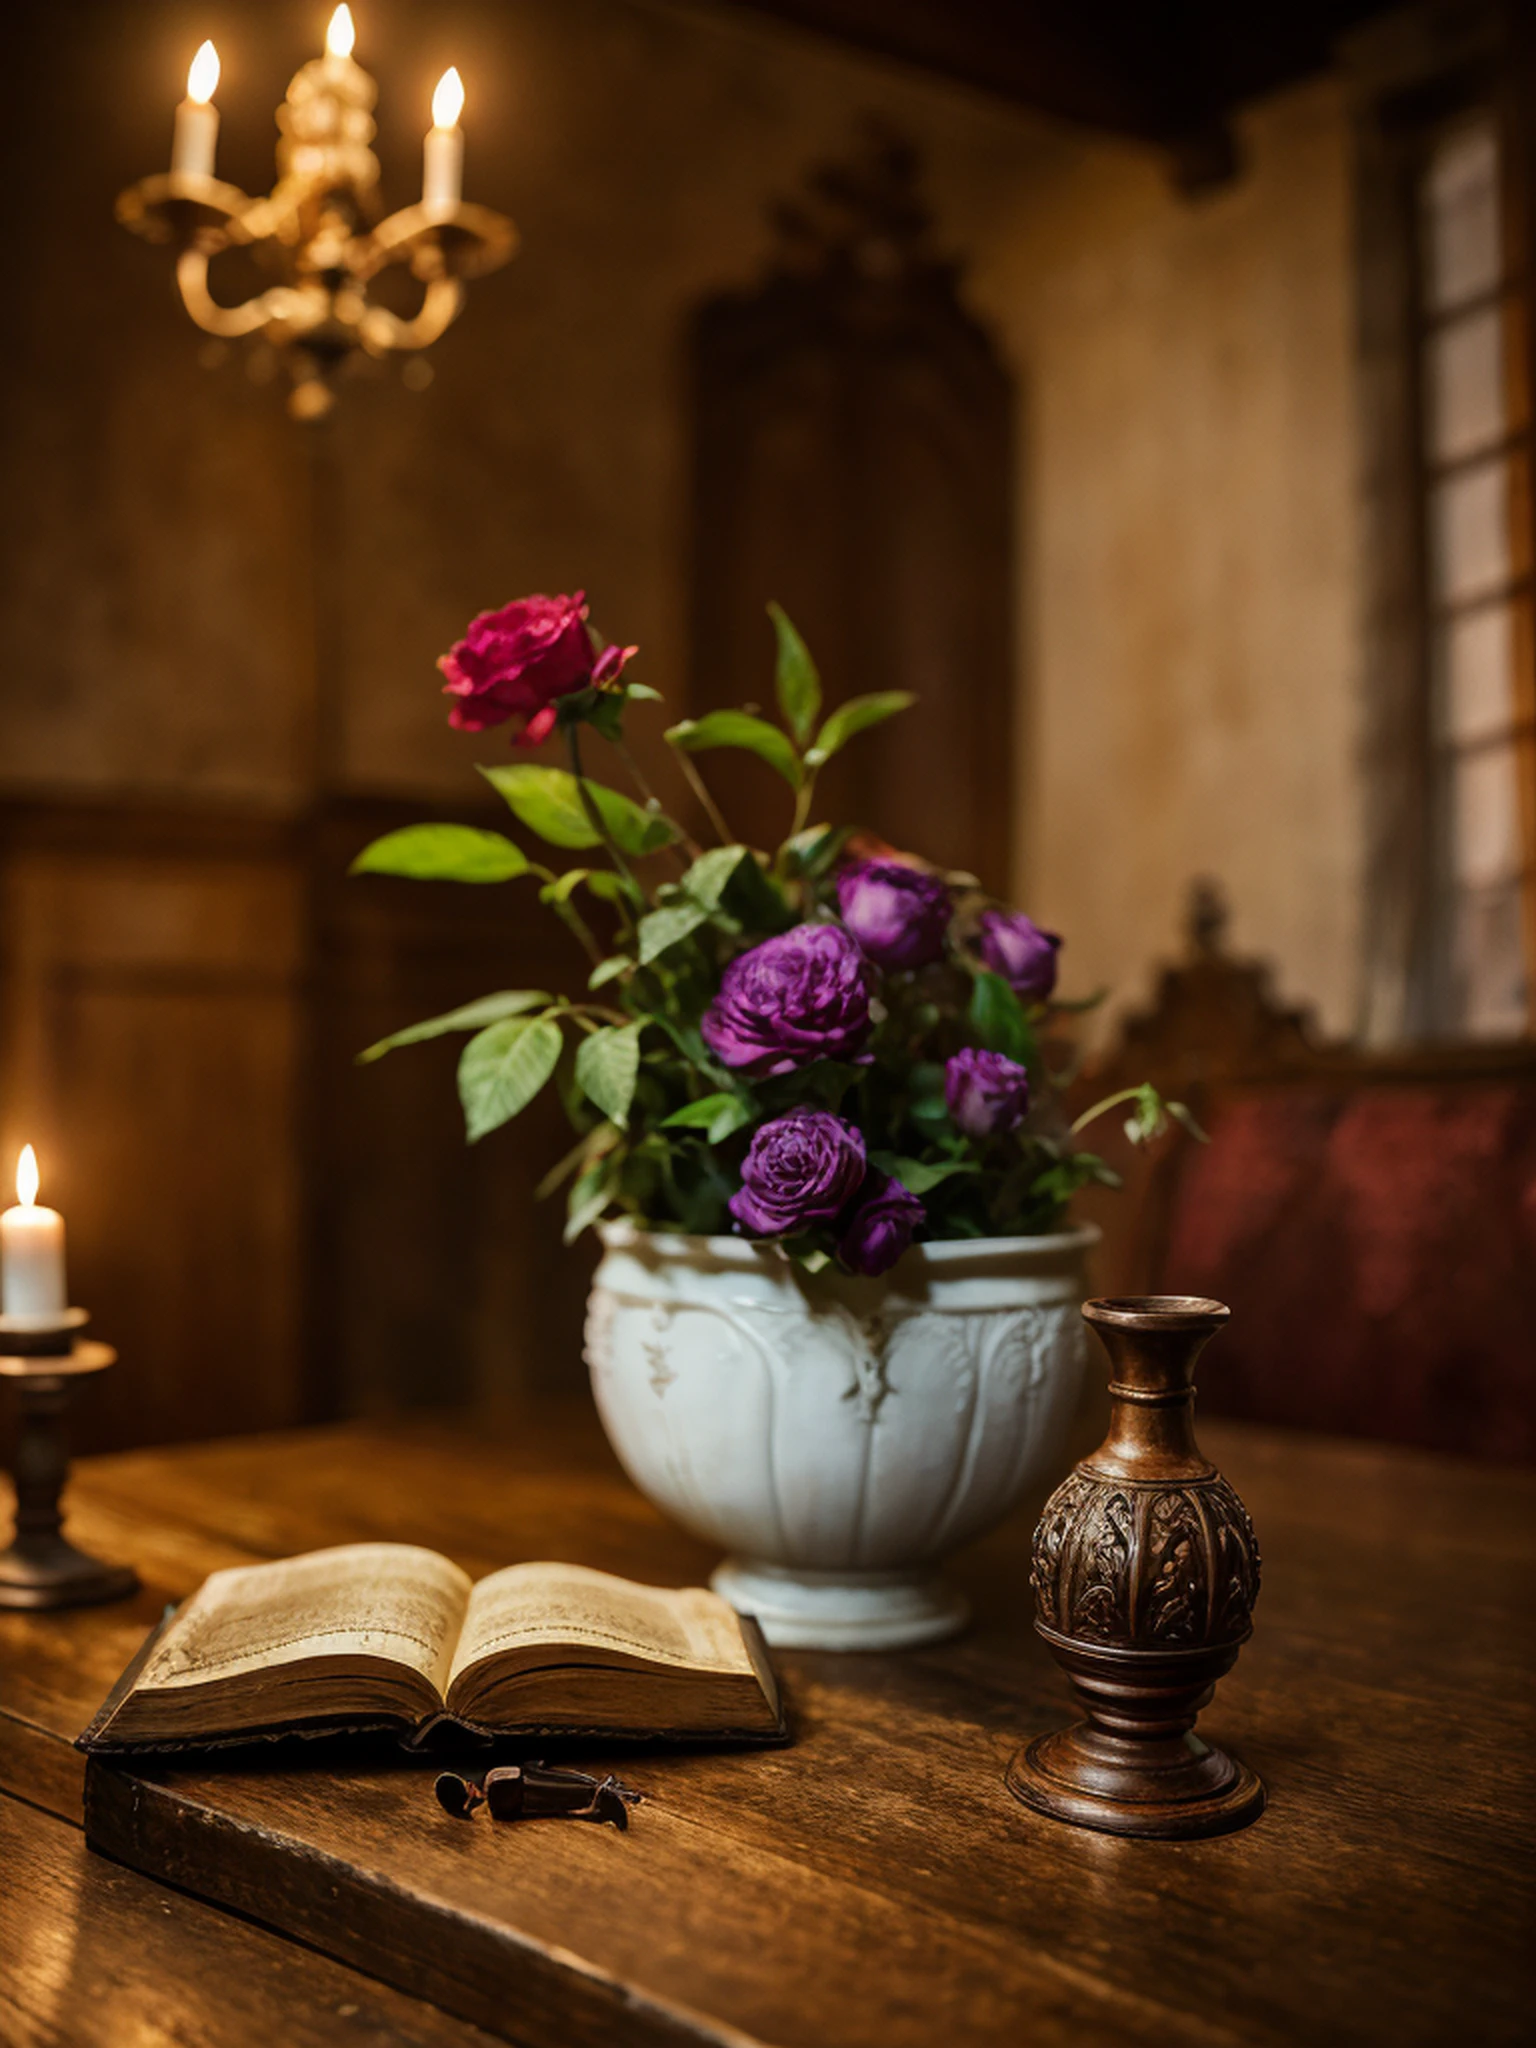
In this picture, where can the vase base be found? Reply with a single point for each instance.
(806, 1610)
(1210, 1794)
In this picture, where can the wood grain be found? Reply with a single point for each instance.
(877, 1874)
(97, 1956)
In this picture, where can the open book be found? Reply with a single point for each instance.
(388, 1636)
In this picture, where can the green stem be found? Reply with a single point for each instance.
(572, 918)
(595, 816)
(1099, 1108)
(696, 783)
(652, 801)
(803, 797)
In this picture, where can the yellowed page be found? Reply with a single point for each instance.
(388, 1600)
(571, 1604)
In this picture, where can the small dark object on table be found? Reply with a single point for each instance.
(529, 1791)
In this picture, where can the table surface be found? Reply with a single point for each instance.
(874, 1883)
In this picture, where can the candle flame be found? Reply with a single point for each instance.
(448, 100)
(340, 34)
(27, 1178)
(203, 77)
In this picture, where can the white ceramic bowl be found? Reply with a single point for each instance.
(837, 1435)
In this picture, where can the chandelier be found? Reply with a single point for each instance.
(319, 229)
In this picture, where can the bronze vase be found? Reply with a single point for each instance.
(1145, 1574)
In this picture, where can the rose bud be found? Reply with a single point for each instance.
(800, 1169)
(800, 997)
(881, 1226)
(1015, 947)
(518, 661)
(899, 915)
(987, 1093)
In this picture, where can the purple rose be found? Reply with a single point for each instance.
(881, 1227)
(800, 1169)
(987, 1092)
(898, 914)
(800, 997)
(1015, 947)
(517, 661)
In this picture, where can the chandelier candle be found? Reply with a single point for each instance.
(322, 231)
(442, 167)
(197, 122)
(31, 1250)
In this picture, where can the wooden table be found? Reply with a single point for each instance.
(872, 1884)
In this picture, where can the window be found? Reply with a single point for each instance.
(1472, 342)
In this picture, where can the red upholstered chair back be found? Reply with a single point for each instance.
(1371, 1220)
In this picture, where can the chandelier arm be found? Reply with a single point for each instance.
(278, 303)
(382, 331)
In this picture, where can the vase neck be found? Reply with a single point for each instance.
(1153, 1342)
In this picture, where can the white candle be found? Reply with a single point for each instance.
(197, 123)
(31, 1250)
(442, 158)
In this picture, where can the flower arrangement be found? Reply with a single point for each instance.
(831, 1045)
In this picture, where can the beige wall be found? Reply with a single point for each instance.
(1188, 593)
(1186, 636)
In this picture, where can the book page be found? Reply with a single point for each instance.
(388, 1600)
(530, 1604)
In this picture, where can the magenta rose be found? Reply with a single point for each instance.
(987, 1092)
(800, 1169)
(517, 662)
(899, 915)
(881, 1226)
(800, 997)
(1015, 947)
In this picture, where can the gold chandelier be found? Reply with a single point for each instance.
(319, 228)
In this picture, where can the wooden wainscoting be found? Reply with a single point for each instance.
(154, 1050)
(267, 1232)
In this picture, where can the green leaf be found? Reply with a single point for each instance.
(796, 680)
(591, 1194)
(484, 1010)
(814, 850)
(562, 889)
(611, 887)
(916, 1177)
(667, 927)
(503, 1068)
(706, 881)
(856, 716)
(716, 1115)
(642, 693)
(597, 1143)
(607, 1067)
(548, 801)
(739, 729)
(608, 970)
(997, 1018)
(443, 853)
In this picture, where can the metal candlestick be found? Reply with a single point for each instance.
(43, 1568)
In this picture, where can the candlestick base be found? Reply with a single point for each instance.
(42, 1568)
(52, 1573)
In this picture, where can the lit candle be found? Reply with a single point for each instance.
(442, 164)
(197, 123)
(340, 33)
(31, 1250)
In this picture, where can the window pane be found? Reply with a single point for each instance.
(1480, 673)
(1485, 816)
(1490, 963)
(1465, 374)
(1462, 256)
(1469, 531)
